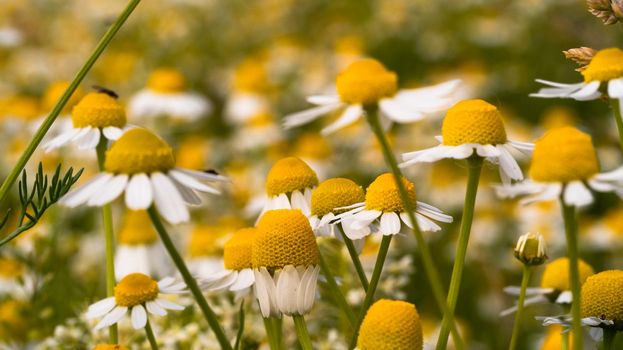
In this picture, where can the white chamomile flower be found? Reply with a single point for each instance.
(142, 165)
(564, 163)
(97, 115)
(329, 195)
(474, 127)
(367, 82)
(136, 294)
(383, 203)
(289, 185)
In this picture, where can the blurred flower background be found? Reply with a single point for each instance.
(215, 78)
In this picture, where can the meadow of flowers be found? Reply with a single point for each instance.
(279, 174)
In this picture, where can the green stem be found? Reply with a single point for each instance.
(336, 292)
(564, 340)
(427, 258)
(47, 123)
(609, 336)
(301, 332)
(278, 328)
(354, 256)
(189, 279)
(571, 232)
(527, 273)
(150, 336)
(614, 102)
(374, 281)
(270, 333)
(110, 241)
(474, 164)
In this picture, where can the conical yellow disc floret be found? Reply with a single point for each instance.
(288, 175)
(335, 193)
(204, 241)
(98, 110)
(563, 155)
(237, 253)
(391, 325)
(607, 64)
(473, 121)
(137, 229)
(135, 289)
(284, 237)
(602, 296)
(110, 347)
(166, 80)
(139, 151)
(366, 82)
(383, 195)
(10, 268)
(556, 274)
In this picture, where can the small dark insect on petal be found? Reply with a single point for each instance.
(105, 91)
(211, 171)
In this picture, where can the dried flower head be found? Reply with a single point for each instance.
(609, 11)
(580, 55)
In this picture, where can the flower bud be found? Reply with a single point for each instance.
(530, 249)
(580, 55)
(608, 11)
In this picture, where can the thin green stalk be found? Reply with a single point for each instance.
(270, 333)
(354, 256)
(564, 340)
(47, 123)
(374, 281)
(474, 164)
(301, 332)
(571, 232)
(427, 258)
(110, 241)
(527, 273)
(609, 336)
(614, 102)
(337, 293)
(208, 313)
(150, 336)
(277, 323)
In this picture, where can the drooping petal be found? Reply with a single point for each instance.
(110, 191)
(138, 316)
(138, 194)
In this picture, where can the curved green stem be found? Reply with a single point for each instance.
(190, 281)
(301, 332)
(374, 281)
(571, 232)
(47, 123)
(609, 336)
(150, 336)
(269, 326)
(616, 109)
(336, 292)
(527, 273)
(110, 241)
(427, 258)
(354, 256)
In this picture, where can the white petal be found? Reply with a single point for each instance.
(204, 175)
(577, 194)
(100, 308)
(349, 116)
(308, 115)
(139, 317)
(398, 112)
(188, 195)
(588, 92)
(163, 303)
(261, 294)
(165, 282)
(433, 212)
(113, 317)
(60, 140)
(286, 288)
(155, 309)
(390, 224)
(168, 200)
(323, 99)
(112, 132)
(298, 201)
(90, 140)
(110, 191)
(138, 194)
(191, 182)
(487, 151)
(245, 279)
(509, 165)
(84, 192)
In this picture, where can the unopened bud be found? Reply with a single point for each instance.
(608, 11)
(530, 249)
(580, 55)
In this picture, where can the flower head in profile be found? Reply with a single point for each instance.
(326, 200)
(564, 163)
(474, 127)
(289, 185)
(530, 249)
(391, 325)
(383, 205)
(142, 165)
(285, 261)
(166, 95)
(136, 294)
(367, 82)
(97, 115)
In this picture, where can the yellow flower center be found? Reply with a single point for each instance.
(237, 253)
(284, 237)
(391, 325)
(166, 80)
(204, 241)
(139, 151)
(54, 92)
(10, 268)
(335, 193)
(313, 146)
(110, 347)
(607, 64)
(137, 229)
(383, 195)
(366, 82)
(563, 155)
(556, 274)
(99, 110)
(251, 76)
(473, 121)
(135, 289)
(602, 296)
(288, 175)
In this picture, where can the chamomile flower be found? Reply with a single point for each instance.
(289, 185)
(251, 83)
(383, 204)
(605, 67)
(166, 95)
(327, 198)
(391, 325)
(142, 165)
(285, 260)
(205, 250)
(136, 294)
(97, 115)
(474, 127)
(564, 162)
(367, 82)
(237, 275)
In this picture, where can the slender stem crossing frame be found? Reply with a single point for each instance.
(354, 256)
(149, 332)
(302, 333)
(525, 280)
